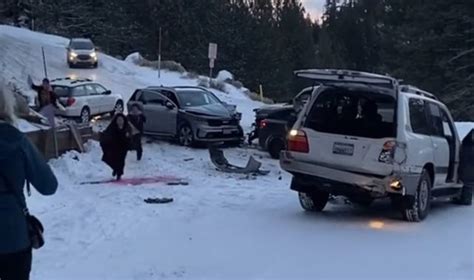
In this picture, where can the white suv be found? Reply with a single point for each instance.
(84, 98)
(364, 136)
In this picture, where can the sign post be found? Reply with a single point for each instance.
(212, 57)
(159, 53)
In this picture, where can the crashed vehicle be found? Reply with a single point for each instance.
(365, 136)
(191, 115)
(263, 113)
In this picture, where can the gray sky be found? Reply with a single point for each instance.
(314, 7)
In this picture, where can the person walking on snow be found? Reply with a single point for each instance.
(115, 143)
(20, 161)
(137, 119)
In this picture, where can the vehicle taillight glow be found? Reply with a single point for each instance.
(263, 123)
(298, 141)
(70, 101)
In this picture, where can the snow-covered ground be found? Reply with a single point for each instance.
(220, 226)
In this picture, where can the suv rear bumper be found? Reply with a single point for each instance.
(343, 182)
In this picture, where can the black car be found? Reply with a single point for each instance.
(296, 104)
(274, 128)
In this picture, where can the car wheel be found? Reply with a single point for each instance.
(275, 147)
(70, 65)
(118, 108)
(96, 65)
(416, 208)
(85, 115)
(185, 135)
(465, 197)
(314, 201)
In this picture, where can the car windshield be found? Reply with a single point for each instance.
(194, 98)
(82, 45)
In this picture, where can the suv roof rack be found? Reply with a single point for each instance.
(415, 90)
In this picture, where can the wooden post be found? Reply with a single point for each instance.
(261, 92)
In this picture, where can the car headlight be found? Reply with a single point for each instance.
(73, 54)
(94, 55)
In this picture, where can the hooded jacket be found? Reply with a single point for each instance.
(19, 161)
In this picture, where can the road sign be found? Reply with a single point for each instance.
(212, 51)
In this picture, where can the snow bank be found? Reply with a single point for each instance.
(21, 56)
(464, 128)
(224, 76)
(134, 58)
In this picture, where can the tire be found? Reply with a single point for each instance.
(416, 208)
(96, 65)
(466, 195)
(314, 201)
(118, 108)
(275, 147)
(85, 115)
(186, 135)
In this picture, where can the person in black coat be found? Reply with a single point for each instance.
(467, 167)
(137, 119)
(115, 142)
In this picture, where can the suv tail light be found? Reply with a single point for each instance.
(388, 152)
(263, 123)
(70, 101)
(298, 141)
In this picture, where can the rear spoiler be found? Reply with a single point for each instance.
(337, 76)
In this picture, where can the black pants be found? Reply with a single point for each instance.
(137, 145)
(15, 266)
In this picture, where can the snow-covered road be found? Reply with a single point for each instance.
(228, 227)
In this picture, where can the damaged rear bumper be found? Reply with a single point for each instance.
(340, 182)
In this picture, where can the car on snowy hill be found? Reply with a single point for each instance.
(365, 136)
(84, 98)
(296, 104)
(82, 52)
(190, 115)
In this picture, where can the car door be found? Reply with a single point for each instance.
(440, 144)
(106, 99)
(82, 98)
(160, 118)
(171, 113)
(95, 101)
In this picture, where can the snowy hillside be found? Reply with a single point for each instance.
(21, 56)
(220, 226)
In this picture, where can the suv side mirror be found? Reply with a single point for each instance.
(97, 49)
(107, 92)
(169, 105)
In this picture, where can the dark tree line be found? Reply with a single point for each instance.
(428, 43)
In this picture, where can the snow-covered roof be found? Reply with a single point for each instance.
(70, 82)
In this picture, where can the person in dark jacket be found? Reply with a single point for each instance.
(137, 119)
(45, 94)
(467, 167)
(47, 99)
(115, 142)
(20, 161)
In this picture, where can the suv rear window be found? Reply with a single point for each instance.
(418, 117)
(61, 91)
(353, 113)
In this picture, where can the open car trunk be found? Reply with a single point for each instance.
(350, 121)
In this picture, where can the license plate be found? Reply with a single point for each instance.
(343, 149)
(227, 131)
